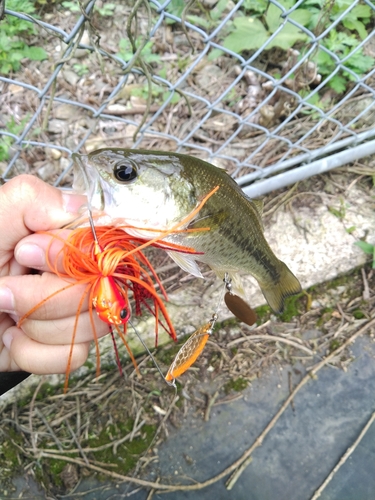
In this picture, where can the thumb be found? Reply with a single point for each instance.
(28, 204)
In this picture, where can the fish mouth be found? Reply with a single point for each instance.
(86, 180)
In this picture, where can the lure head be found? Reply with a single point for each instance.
(110, 302)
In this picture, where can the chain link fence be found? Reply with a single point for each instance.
(272, 91)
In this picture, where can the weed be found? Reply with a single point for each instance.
(211, 18)
(72, 6)
(13, 44)
(250, 32)
(367, 248)
(106, 9)
(6, 141)
(126, 51)
(338, 212)
(342, 45)
(80, 69)
(258, 21)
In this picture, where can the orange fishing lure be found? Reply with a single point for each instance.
(195, 344)
(189, 352)
(111, 263)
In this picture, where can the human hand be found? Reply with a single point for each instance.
(42, 344)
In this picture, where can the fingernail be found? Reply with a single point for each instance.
(73, 202)
(7, 303)
(7, 339)
(30, 255)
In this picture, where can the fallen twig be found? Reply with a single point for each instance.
(274, 338)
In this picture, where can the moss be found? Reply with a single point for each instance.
(227, 323)
(325, 316)
(47, 390)
(54, 469)
(167, 354)
(238, 385)
(128, 453)
(358, 314)
(9, 453)
(293, 306)
(263, 314)
(89, 364)
(353, 279)
(335, 344)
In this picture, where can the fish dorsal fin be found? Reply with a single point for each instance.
(259, 206)
(186, 262)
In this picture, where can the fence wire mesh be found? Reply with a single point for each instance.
(259, 88)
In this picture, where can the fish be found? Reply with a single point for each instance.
(156, 189)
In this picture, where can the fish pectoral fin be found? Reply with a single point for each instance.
(287, 285)
(186, 262)
(213, 221)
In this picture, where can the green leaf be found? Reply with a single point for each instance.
(36, 53)
(174, 99)
(338, 84)
(17, 55)
(72, 6)
(214, 54)
(366, 247)
(273, 18)
(249, 34)
(360, 63)
(361, 11)
(175, 7)
(354, 24)
(199, 21)
(257, 6)
(301, 16)
(325, 62)
(287, 37)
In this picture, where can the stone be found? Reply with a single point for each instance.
(70, 76)
(65, 111)
(56, 126)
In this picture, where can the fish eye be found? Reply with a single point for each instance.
(123, 313)
(125, 172)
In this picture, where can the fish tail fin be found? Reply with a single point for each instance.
(287, 285)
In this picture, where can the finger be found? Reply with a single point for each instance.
(5, 323)
(13, 268)
(38, 207)
(33, 357)
(63, 331)
(51, 296)
(42, 251)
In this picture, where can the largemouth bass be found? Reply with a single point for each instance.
(157, 189)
